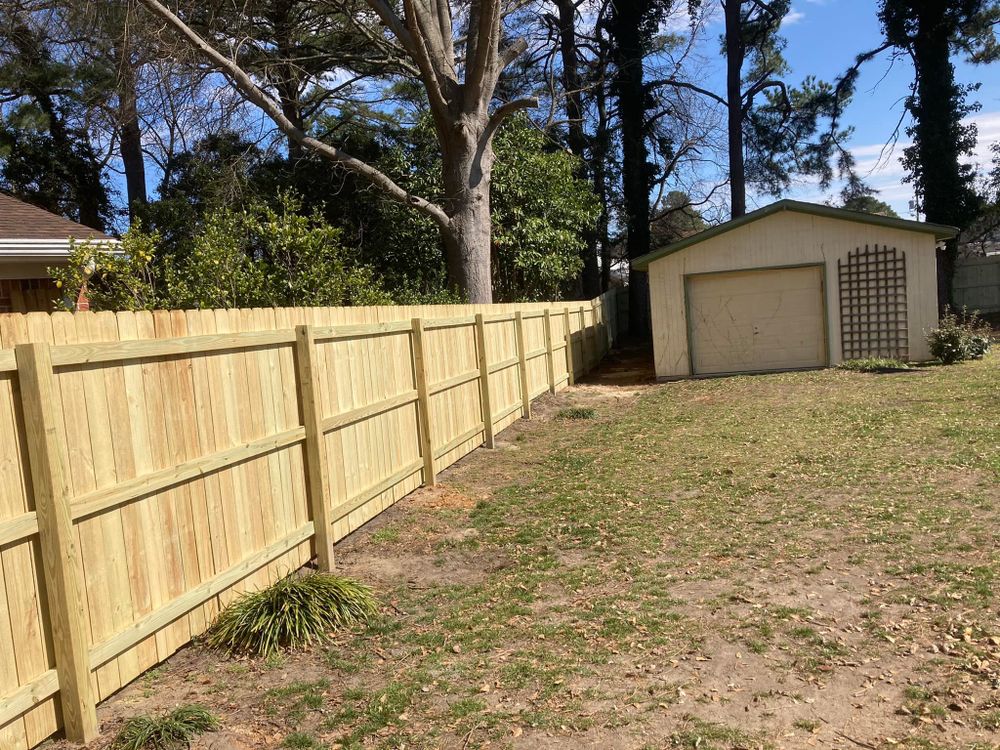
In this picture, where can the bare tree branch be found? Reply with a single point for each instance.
(253, 93)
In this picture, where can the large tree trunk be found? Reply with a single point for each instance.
(628, 83)
(459, 91)
(467, 167)
(576, 137)
(602, 148)
(937, 142)
(734, 98)
(130, 141)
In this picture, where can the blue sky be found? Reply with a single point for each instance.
(823, 38)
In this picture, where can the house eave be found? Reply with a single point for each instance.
(13, 249)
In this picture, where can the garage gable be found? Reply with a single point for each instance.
(939, 231)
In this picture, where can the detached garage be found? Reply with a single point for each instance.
(793, 286)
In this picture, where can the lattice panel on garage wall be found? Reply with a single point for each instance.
(873, 303)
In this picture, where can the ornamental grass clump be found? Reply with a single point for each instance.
(173, 730)
(293, 612)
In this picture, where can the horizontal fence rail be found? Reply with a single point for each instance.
(155, 465)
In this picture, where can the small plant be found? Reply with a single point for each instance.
(873, 364)
(173, 730)
(576, 412)
(959, 336)
(291, 613)
(301, 741)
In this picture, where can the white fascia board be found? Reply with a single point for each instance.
(34, 249)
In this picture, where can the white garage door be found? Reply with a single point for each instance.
(751, 321)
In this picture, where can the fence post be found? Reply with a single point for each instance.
(484, 381)
(570, 367)
(584, 330)
(60, 557)
(550, 366)
(522, 365)
(423, 403)
(317, 471)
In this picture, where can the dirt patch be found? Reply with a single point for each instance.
(691, 567)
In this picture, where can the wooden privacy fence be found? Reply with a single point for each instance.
(154, 465)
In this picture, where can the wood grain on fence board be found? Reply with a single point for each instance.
(185, 459)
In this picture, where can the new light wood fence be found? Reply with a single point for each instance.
(154, 465)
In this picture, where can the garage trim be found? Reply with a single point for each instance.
(687, 316)
(939, 231)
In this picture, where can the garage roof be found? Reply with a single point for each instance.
(940, 231)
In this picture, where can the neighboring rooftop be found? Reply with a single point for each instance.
(23, 221)
(28, 232)
(940, 231)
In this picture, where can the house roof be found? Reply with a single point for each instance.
(23, 221)
(940, 231)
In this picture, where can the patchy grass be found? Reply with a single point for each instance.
(751, 562)
(577, 412)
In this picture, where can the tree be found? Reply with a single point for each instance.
(984, 234)
(857, 196)
(630, 25)
(676, 218)
(929, 33)
(542, 211)
(773, 128)
(258, 256)
(458, 77)
(544, 215)
(576, 136)
(46, 156)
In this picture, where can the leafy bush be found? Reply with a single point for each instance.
(959, 336)
(173, 730)
(873, 364)
(260, 256)
(293, 612)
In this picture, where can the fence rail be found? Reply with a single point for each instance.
(154, 465)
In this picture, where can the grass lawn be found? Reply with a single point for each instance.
(790, 560)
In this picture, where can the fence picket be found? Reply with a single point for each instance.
(178, 458)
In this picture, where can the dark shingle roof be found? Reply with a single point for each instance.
(23, 221)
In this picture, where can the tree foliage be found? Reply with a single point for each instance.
(46, 154)
(543, 211)
(930, 33)
(857, 196)
(258, 256)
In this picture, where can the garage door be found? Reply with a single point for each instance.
(752, 321)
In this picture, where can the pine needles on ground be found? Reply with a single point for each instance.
(293, 612)
(173, 730)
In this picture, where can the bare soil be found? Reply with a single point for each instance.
(790, 561)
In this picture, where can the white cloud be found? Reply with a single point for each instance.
(881, 166)
(792, 17)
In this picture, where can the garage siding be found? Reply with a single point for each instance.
(787, 238)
